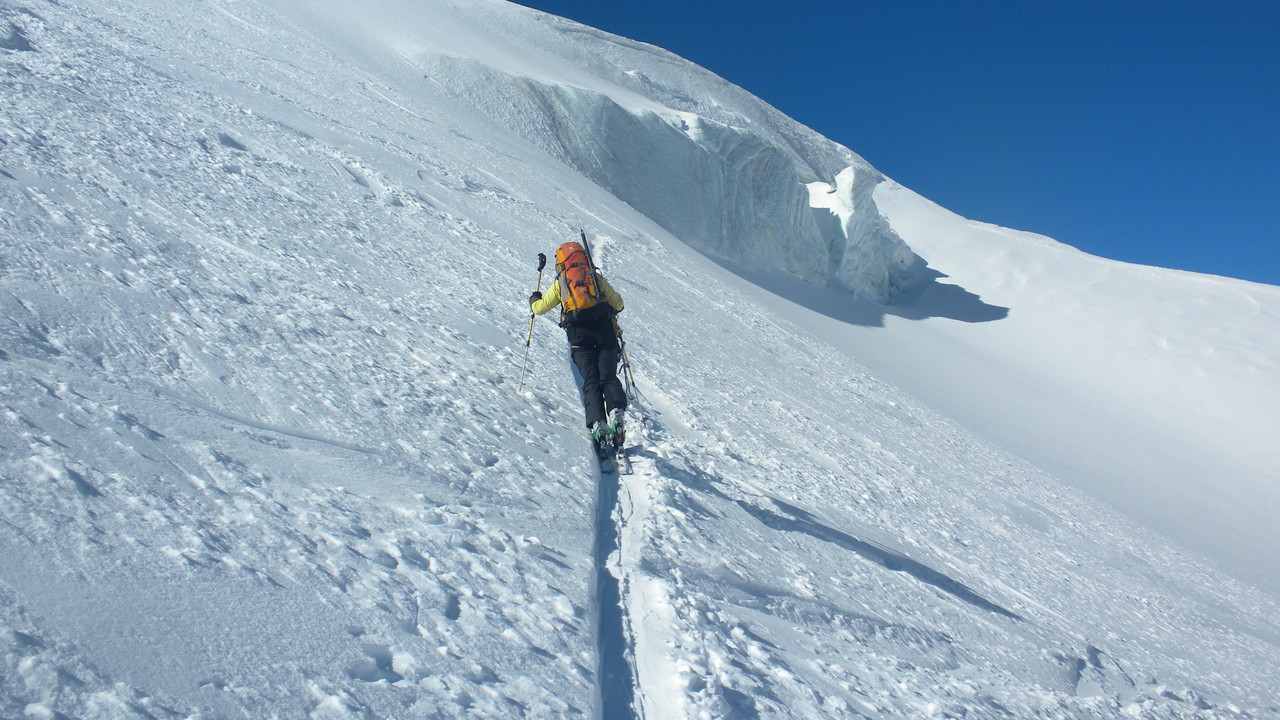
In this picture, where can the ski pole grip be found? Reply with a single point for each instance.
(542, 261)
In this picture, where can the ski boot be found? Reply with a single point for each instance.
(615, 427)
(602, 441)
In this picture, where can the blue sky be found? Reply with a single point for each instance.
(1142, 131)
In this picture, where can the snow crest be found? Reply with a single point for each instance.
(728, 189)
(866, 254)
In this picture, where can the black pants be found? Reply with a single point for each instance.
(600, 384)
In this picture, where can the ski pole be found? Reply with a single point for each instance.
(627, 375)
(528, 340)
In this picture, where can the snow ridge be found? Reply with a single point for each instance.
(865, 251)
(731, 189)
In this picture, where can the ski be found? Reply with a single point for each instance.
(612, 458)
(607, 458)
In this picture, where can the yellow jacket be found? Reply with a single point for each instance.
(552, 298)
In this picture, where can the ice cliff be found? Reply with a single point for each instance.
(710, 163)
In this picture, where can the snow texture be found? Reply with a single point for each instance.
(263, 451)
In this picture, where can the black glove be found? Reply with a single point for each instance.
(535, 297)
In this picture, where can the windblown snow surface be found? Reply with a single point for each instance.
(265, 453)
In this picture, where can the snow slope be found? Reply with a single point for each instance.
(264, 265)
(1152, 389)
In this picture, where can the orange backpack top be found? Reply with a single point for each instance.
(577, 278)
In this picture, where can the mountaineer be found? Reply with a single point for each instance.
(588, 304)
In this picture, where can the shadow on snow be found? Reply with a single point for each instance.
(924, 297)
(789, 518)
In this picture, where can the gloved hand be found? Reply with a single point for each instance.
(535, 297)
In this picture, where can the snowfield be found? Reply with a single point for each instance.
(263, 453)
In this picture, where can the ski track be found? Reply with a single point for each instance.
(615, 674)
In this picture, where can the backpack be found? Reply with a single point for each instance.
(578, 288)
